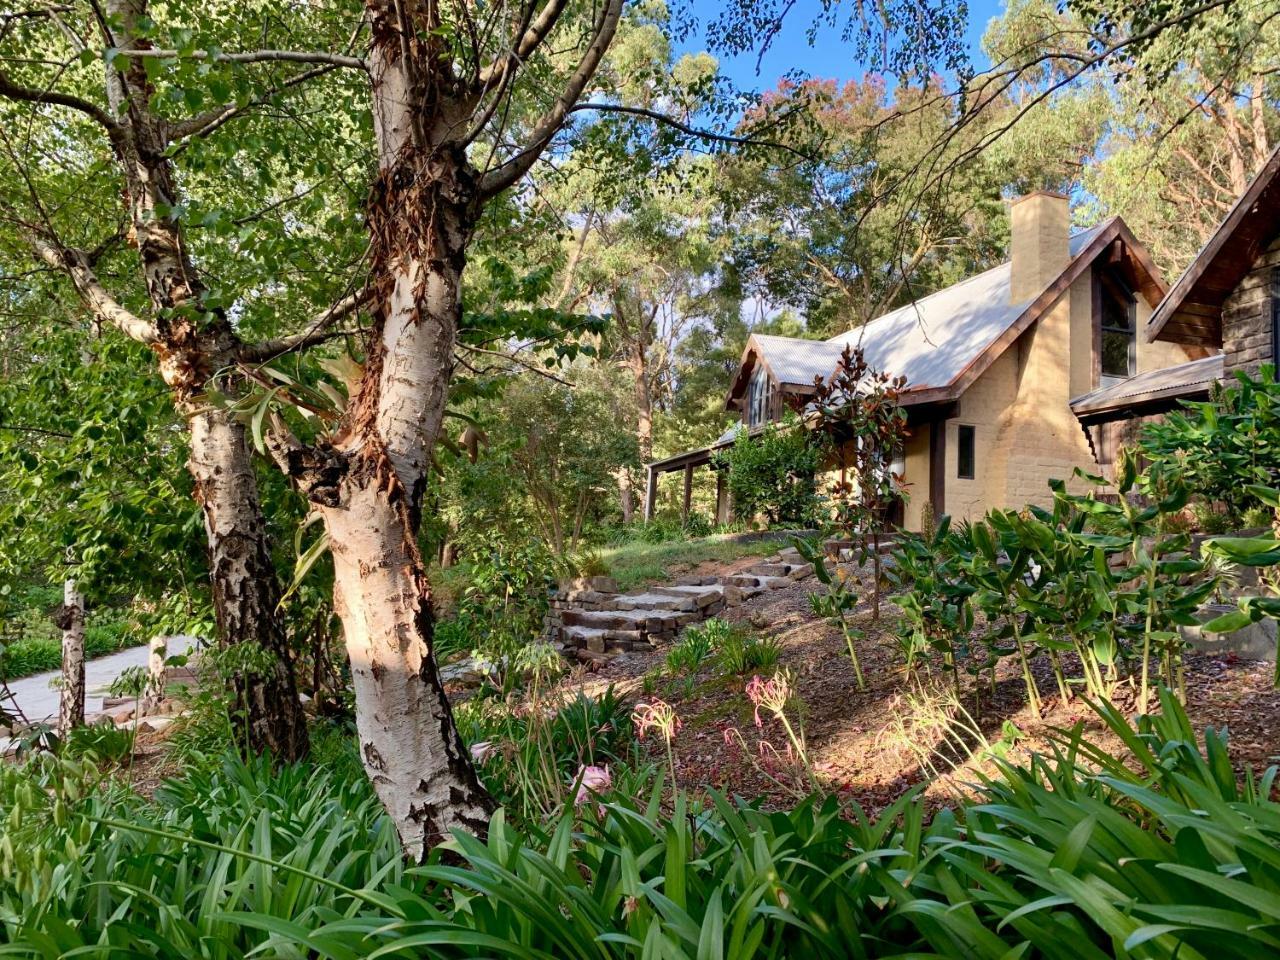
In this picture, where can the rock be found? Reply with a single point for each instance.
(154, 724)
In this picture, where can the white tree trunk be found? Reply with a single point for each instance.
(408, 741)
(71, 620)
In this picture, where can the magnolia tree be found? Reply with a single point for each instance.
(858, 410)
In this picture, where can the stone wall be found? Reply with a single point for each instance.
(1247, 315)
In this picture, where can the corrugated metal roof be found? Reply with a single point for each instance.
(1185, 378)
(929, 341)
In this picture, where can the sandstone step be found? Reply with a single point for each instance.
(793, 571)
(653, 621)
(656, 599)
(702, 596)
(693, 580)
(598, 640)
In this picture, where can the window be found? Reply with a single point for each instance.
(965, 454)
(758, 397)
(1275, 316)
(1119, 330)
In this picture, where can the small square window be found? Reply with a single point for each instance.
(965, 451)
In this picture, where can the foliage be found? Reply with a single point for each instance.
(505, 598)
(1090, 576)
(771, 475)
(528, 759)
(1261, 552)
(838, 600)
(858, 413)
(1076, 854)
(1223, 446)
(687, 655)
(42, 653)
(737, 650)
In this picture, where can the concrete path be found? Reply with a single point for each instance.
(40, 702)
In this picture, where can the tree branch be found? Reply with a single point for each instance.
(250, 56)
(523, 46)
(13, 91)
(205, 123)
(105, 308)
(318, 331)
(498, 179)
(700, 132)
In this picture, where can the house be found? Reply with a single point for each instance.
(1228, 299)
(992, 364)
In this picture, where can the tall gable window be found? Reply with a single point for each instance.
(1118, 319)
(758, 397)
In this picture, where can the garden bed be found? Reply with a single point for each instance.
(873, 745)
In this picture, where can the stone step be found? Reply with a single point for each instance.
(652, 621)
(702, 596)
(762, 581)
(693, 580)
(655, 599)
(794, 571)
(597, 640)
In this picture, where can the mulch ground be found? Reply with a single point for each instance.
(873, 745)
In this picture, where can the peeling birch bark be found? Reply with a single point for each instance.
(246, 590)
(71, 699)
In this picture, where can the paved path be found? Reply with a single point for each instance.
(40, 702)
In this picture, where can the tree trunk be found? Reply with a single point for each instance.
(71, 700)
(246, 591)
(191, 348)
(409, 743)
(626, 495)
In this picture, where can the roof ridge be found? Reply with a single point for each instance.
(1101, 224)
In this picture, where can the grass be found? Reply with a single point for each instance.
(40, 649)
(640, 564)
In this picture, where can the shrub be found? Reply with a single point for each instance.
(1222, 446)
(772, 475)
(1078, 853)
(687, 655)
(737, 649)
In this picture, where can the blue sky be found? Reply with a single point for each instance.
(828, 56)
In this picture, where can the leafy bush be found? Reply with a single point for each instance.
(43, 652)
(772, 475)
(737, 649)
(528, 757)
(1090, 577)
(1076, 854)
(688, 654)
(1223, 445)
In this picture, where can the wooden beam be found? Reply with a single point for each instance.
(688, 492)
(650, 492)
(722, 499)
(938, 467)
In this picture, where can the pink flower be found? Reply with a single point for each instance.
(658, 715)
(773, 694)
(591, 780)
(482, 750)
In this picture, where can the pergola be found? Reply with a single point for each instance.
(688, 462)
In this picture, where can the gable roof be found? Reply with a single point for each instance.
(1192, 310)
(941, 343)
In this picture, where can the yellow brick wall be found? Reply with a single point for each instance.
(917, 476)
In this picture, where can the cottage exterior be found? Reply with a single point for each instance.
(1227, 301)
(992, 365)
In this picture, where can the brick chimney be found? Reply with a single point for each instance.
(1040, 224)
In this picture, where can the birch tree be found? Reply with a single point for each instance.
(57, 117)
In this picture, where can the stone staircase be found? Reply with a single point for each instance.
(591, 620)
